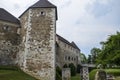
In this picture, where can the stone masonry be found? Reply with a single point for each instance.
(66, 74)
(39, 43)
(8, 43)
(32, 44)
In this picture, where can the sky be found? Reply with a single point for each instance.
(86, 22)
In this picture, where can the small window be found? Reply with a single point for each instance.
(65, 57)
(74, 59)
(69, 58)
(42, 13)
(5, 27)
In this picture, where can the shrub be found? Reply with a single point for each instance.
(73, 69)
(92, 74)
(115, 72)
(65, 66)
(78, 68)
(58, 77)
(58, 73)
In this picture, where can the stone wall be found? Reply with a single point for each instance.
(66, 74)
(84, 73)
(9, 41)
(66, 54)
(38, 33)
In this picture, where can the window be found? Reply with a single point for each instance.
(69, 58)
(65, 57)
(5, 27)
(74, 59)
(42, 13)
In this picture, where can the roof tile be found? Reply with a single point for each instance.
(6, 16)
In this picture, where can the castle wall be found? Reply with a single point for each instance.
(37, 57)
(66, 54)
(9, 41)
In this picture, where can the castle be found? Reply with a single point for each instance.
(31, 42)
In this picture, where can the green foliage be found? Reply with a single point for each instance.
(92, 74)
(58, 77)
(77, 77)
(94, 54)
(78, 68)
(65, 66)
(117, 78)
(58, 73)
(83, 58)
(115, 72)
(73, 69)
(110, 53)
(89, 60)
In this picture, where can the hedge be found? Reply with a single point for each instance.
(115, 72)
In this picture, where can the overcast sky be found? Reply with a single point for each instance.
(86, 22)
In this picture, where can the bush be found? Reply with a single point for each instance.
(92, 74)
(65, 66)
(58, 77)
(58, 73)
(73, 69)
(115, 72)
(78, 68)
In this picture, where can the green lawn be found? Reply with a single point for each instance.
(117, 78)
(77, 77)
(14, 74)
(115, 72)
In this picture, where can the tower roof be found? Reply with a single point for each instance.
(6, 16)
(43, 4)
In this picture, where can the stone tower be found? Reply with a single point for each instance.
(38, 30)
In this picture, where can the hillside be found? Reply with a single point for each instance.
(13, 73)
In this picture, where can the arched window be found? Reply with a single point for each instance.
(65, 57)
(69, 58)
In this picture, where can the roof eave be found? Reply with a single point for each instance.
(39, 7)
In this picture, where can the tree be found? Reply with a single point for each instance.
(83, 58)
(110, 53)
(73, 69)
(89, 60)
(94, 54)
(58, 73)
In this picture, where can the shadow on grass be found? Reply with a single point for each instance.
(13, 73)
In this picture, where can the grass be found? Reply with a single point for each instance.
(117, 78)
(115, 72)
(7, 73)
(77, 77)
